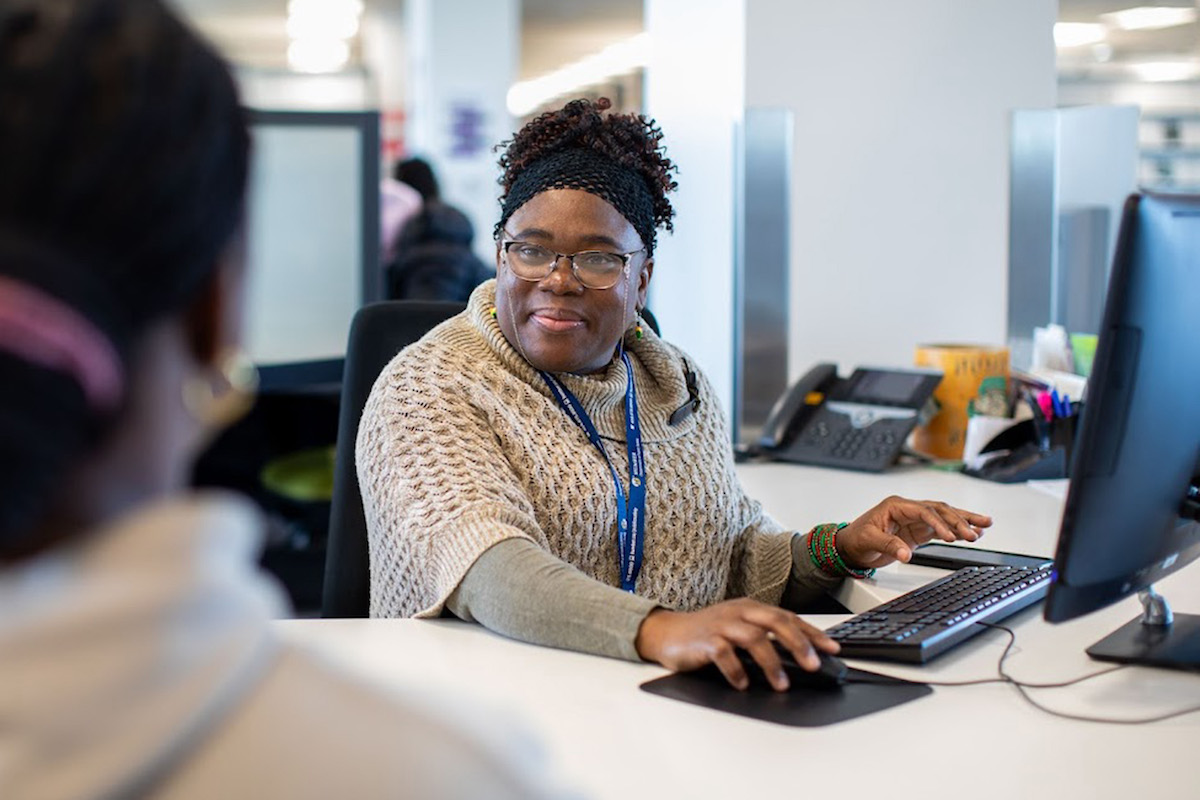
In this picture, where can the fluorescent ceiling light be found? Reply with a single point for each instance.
(1145, 18)
(1163, 71)
(318, 55)
(325, 7)
(1077, 34)
(616, 59)
(315, 26)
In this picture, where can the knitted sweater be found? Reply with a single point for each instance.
(461, 446)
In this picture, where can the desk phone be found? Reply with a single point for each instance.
(860, 422)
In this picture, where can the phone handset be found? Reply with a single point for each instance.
(789, 408)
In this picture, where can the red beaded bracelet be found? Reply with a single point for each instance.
(822, 549)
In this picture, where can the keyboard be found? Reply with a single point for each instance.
(926, 622)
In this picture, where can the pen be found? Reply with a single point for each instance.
(1040, 427)
(1046, 404)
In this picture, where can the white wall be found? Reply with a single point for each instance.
(462, 58)
(900, 170)
(900, 200)
(694, 89)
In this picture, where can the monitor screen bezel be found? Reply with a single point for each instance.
(1116, 370)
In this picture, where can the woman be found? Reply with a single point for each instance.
(489, 452)
(137, 657)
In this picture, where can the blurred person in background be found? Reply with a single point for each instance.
(137, 655)
(432, 256)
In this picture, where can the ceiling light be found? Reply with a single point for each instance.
(1146, 18)
(1077, 34)
(320, 30)
(1163, 71)
(305, 26)
(325, 7)
(616, 59)
(318, 55)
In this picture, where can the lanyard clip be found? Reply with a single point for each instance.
(693, 402)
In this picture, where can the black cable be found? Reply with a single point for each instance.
(1022, 687)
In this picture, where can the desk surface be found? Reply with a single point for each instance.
(614, 741)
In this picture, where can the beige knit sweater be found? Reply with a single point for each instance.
(462, 446)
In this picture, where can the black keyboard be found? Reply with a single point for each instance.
(928, 621)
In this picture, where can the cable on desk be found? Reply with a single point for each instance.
(1003, 678)
(1023, 687)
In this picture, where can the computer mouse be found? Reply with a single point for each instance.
(831, 674)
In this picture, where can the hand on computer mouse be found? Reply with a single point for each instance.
(831, 674)
(689, 640)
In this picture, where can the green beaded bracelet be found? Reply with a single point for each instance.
(822, 549)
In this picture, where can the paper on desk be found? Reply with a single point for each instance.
(980, 431)
(1055, 487)
(1068, 383)
(1052, 349)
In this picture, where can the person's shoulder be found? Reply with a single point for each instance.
(439, 353)
(311, 729)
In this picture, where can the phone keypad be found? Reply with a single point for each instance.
(831, 440)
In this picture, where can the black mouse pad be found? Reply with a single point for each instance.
(863, 693)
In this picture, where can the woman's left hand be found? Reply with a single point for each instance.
(891, 530)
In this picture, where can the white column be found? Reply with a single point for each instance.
(901, 164)
(900, 169)
(694, 89)
(462, 57)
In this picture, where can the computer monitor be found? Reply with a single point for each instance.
(1131, 511)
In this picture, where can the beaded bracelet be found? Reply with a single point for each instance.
(822, 549)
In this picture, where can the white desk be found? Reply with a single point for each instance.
(614, 741)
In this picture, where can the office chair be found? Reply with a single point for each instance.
(378, 332)
(650, 320)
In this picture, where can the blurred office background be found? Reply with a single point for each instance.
(856, 178)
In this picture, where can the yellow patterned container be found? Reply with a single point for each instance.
(975, 382)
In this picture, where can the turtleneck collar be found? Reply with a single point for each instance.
(658, 371)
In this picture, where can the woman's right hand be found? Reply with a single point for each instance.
(688, 640)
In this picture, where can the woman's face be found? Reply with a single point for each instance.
(557, 323)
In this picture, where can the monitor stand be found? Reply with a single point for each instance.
(1158, 638)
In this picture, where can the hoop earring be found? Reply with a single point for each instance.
(218, 398)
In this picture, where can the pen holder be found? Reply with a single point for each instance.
(1031, 450)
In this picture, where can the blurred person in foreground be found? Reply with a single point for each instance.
(137, 656)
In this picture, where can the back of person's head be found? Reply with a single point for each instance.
(438, 222)
(417, 173)
(124, 155)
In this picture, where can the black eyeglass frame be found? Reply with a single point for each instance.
(506, 244)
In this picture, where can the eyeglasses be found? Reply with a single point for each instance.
(595, 269)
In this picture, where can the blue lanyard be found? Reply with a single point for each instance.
(631, 511)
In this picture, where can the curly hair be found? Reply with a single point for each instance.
(632, 140)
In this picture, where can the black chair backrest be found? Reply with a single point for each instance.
(650, 320)
(379, 331)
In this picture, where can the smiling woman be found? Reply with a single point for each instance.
(489, 450)
(570, 319)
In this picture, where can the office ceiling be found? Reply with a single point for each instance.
(556, 32)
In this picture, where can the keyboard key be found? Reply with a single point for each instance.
(931, 619)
